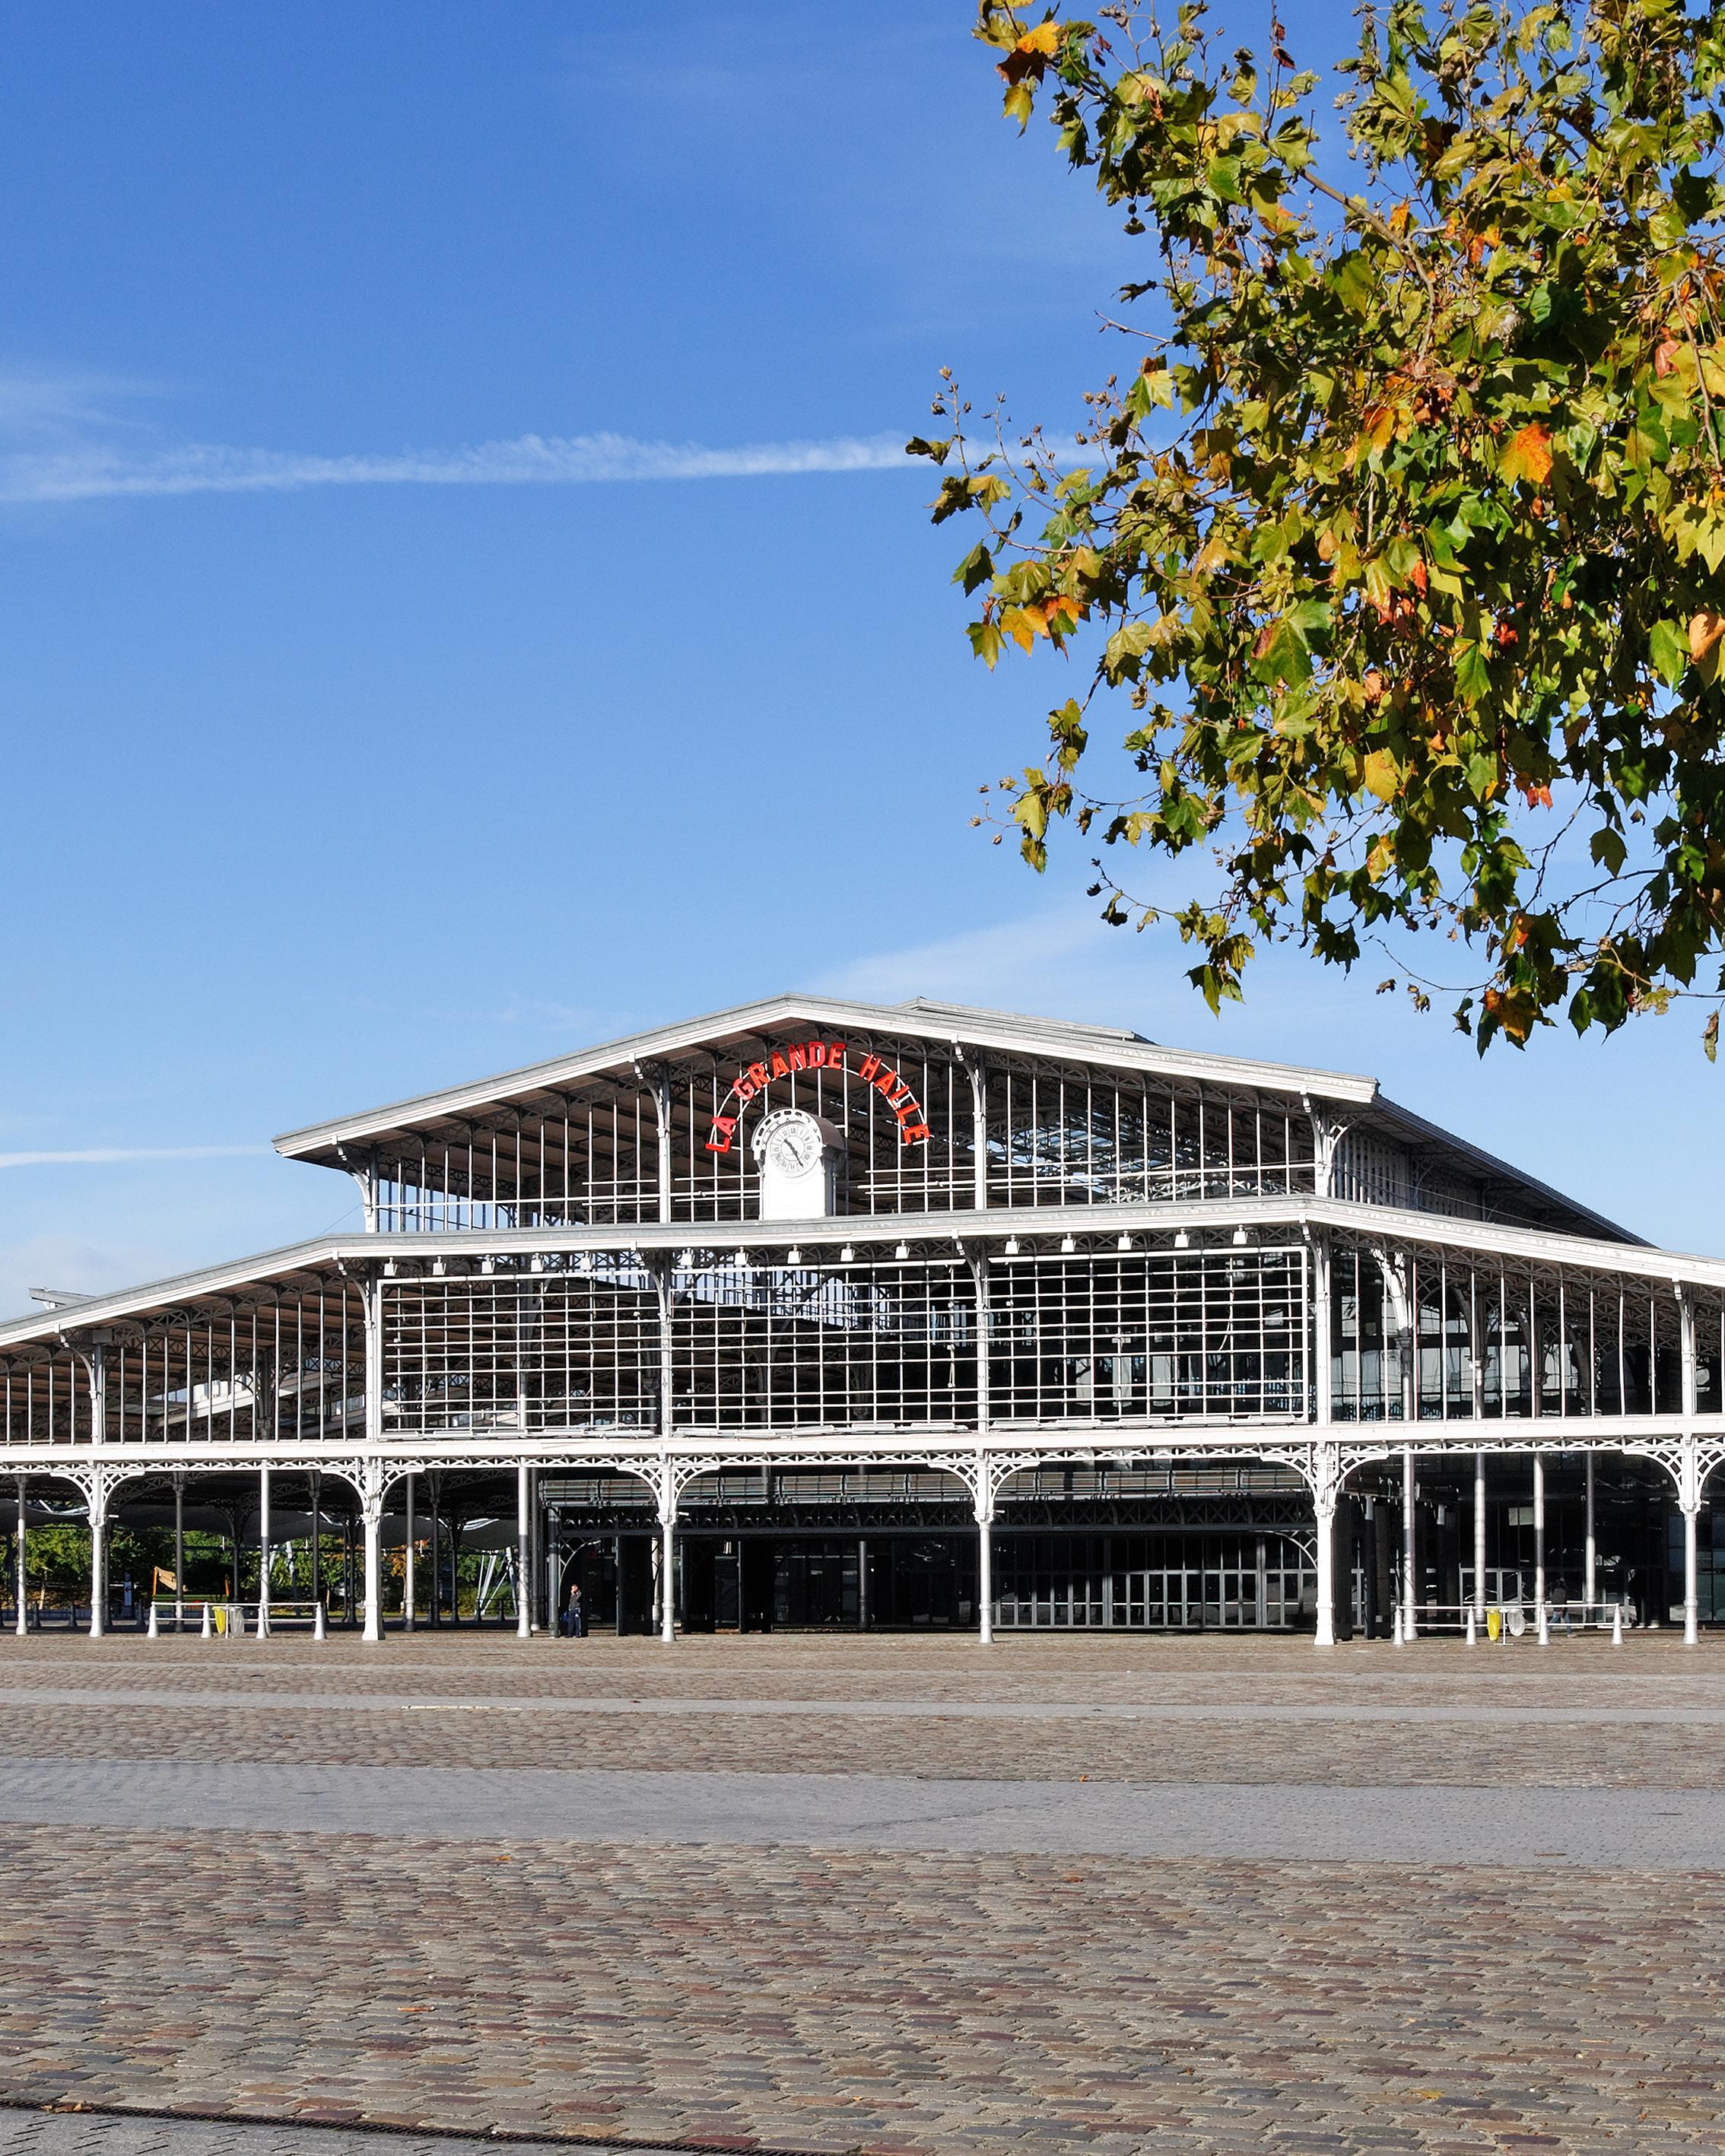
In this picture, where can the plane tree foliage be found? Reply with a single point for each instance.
(1393, 547)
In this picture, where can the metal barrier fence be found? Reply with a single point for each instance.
(226, 1617)
(1500, 1622)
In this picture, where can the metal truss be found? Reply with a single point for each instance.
(1127, 1342)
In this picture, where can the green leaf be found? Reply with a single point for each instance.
(1353, 282)
(1668, 646)
(1152, 387)
(1126, 645)
(987, 642)
(976, 567)
(1473, 673)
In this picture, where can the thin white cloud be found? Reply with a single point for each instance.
(127, 1152)
(88, 471)
(1063, 961)
(46, 409)
(1031, 964)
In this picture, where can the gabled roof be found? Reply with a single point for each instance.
(1445, 1148)
(457, 1116)
(299, 1270)
(1007, 1031)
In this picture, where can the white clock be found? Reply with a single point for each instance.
(795, 1152)
(788, 1143)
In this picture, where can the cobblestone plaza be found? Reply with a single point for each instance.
(832, 1894)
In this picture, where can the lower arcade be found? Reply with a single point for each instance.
(1419, 1541)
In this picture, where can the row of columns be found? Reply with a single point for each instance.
(1689, 1481)
(1326, 1493)
(97, 1517)
(1325, 1483)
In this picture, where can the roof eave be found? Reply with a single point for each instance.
(1008, 1034)
(1552, 1245)
(1392, 1111)
(178, 1287)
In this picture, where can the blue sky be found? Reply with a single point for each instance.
(460, 600)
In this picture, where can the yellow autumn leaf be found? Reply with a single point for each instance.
(1380, 774)
(1706, 641)
(1705, 631)
(1529, 455)
(1022, 626)
(1045, 39)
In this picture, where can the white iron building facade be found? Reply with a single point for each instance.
(821, 1312)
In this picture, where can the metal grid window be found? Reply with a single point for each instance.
(292, 1367)
(1370, 1172)
(1434, 1337)
(1151, 1582)
(573, 1349)
(1220, 1334)
(774, 1340)
(1068, 1137)
(864, 1343)
(1055, 1136)
(593, 1158)
(879, 1171)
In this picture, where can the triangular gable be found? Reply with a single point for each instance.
(743, 1031)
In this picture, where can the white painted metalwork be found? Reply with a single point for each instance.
(1478, 1610)
(1539, 1535)
(1095, 1251)
(264, 1555)
(1410, 1575)
(523, 1524)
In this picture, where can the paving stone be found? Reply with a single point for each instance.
(855, 1999)
(74, 2133)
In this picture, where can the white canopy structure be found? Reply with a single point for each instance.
(857, 1284)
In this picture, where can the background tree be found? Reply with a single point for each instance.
(1401, 536)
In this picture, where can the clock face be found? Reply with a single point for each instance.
(789, 1143)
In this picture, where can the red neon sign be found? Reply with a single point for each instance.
(819, 1055)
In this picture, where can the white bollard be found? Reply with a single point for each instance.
(1544, 1626)
(317, 1629)
(1617, 1623)
(208, 1631)
(1472, 1636)
(1396, 1634)
(152, 1631)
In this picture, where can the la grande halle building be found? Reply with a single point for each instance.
(815, 1312)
